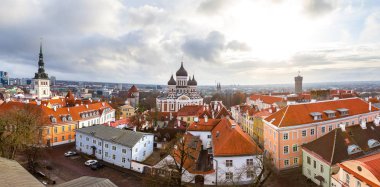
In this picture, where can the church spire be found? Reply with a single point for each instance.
(41, 66)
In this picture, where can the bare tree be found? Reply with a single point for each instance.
(182, 151)
(19, 128)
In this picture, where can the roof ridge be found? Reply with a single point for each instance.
(333, 151)
(283, 116)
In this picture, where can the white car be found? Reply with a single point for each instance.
(70, 153)
(90, 162)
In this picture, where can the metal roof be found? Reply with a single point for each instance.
(111, 134)
(87, 181)
(13, 174)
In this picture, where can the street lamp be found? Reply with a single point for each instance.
(216, 171)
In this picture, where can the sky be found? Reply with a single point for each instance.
(246, 42)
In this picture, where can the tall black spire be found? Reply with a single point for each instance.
(41, 66)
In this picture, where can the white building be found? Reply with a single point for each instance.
(181, 92)
(115, 146)
(232, 156)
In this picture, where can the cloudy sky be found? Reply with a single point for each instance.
(232, 42)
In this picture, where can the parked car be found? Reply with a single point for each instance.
(96, 166)
(70, 153)
(90, 162)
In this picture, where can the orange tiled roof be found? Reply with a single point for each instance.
(74, 112)
(223, 112)
(228, 141)
(202, 125)
(266, 98)
(191, 110)
(299, 114)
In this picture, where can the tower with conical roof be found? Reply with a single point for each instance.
(41, 81)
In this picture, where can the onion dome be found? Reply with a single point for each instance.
(172, 81)
(194, 81)
(181, 71)
(190, 82)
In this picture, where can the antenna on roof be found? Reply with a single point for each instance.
(299, 72)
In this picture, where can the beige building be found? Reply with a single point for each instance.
(360, 172)
(127, 111)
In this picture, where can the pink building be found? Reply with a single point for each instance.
(287, 129)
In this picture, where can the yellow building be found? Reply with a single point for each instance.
(127, 111)
(252, 124)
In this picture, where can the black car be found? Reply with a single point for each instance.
(96, 166)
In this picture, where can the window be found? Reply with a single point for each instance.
(229, 175)
(304, 133)
(136, 150)
(86, 146)
(323, 130)
(55, 139)
(295, 160)
(80, 144)
(55, 130)
(100, 143)
(250, 174)
(124, 150)
(63, 128)
(295, 148)
(308, 160)
(87, 139)
(358, 183)
(106, 154)
(100, 151)
(347, 178)
(250, 162)
(94, 141)
(209, 136)
(47, 131)
(144, 153)
(123, 160)
(286, 149)
(63, 138)
(144, 144)
(228, 163)
(286, 136)
(113, 157)
(321, 168)
(106, 145)
(286, 162)
(114, 148)
(330, 128)
(69, 127)
(312, 131)
(315, 164)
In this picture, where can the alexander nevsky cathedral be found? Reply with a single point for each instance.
(181, 92)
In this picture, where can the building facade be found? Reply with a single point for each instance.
(287, 129)
(113, 145)
(180, 92)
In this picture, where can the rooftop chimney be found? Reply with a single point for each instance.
(370, 106)
(206, 119)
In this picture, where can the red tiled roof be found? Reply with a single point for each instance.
(372, 163)
(228, 141)
(298, 114)
(74, 112)
(266, 98)
(119, 122)
(203, 126)
(223, 112)
(191, 110)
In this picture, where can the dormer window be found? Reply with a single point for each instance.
(343, 111)
(53, 120)
(63, 118)
(373, 143)
(69, 118)
(352, 149)
(330, 113)
(316, 115)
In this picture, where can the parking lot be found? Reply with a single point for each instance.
(68, 168)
